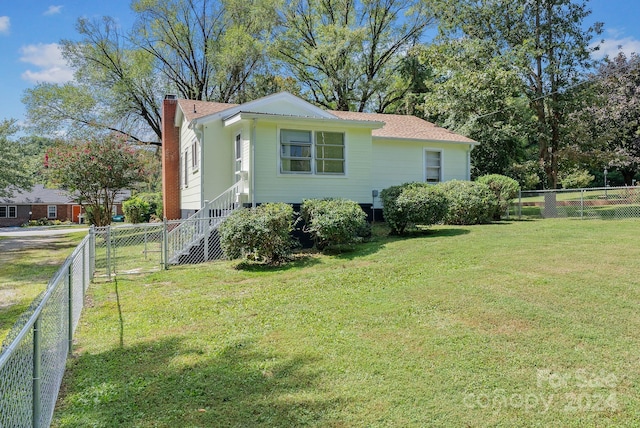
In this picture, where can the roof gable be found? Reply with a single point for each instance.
(282, 103)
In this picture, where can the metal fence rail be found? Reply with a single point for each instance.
(601, 202)
(34, 354)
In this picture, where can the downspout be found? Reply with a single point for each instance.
(252, 163)
(469, 162)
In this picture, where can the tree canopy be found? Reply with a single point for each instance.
(14, 169)
(508, 73)
(346, 53)
(94, 172)
(545, 43)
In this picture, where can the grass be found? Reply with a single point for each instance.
(531, 323)
(26, 265)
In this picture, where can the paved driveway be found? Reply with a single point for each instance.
(16, 232)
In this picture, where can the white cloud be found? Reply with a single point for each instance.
(52, 67)
(612, 47)
(5, 24)
(53, 10)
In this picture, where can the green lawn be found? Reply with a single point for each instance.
(26, 265)
(532, 323)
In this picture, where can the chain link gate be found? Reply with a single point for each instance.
(128, 249)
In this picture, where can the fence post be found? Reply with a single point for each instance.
(108, 237)
(70, 291)
(36, 410)
(520, 204)
(165, 245)
(207, 229)
(581, 204)
(92, 251)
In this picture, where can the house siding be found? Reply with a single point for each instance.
(396, 162)
(273, 186)
(218, 159)
(190, 188)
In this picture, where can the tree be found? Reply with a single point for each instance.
(616, 117)
(199, 49)
(95, 172)
(208, 49)
(14, 173)
(478, 94)
(345, 53)
(115, 88)
(546, 43)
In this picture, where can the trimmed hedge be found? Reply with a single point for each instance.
(261, 234)
(423, 205)
(504, 188)
(470, 202)
(332, 222)
(395, 218)
(413, 204)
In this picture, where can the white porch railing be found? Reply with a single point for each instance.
(189, 241)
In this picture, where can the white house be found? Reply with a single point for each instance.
(280, 148)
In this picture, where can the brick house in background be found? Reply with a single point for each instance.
(40, 202)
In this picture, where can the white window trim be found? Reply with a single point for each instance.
(55, 211)
(424, 163)
(195, 156)
(313, 172)
(238, 148)
(184, 168)
(8, 211)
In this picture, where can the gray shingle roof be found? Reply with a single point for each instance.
(41, 195)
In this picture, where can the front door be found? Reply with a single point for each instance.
(75, 213)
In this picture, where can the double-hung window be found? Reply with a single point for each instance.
(307, 152)
(433, 166)
(52, 211)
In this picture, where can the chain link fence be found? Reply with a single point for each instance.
(129, 249)
(34, 353)
(599, 203)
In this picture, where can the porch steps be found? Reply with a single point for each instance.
(196, 239)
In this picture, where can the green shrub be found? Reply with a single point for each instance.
(395, 218)
(504, 188)
(332, 222)
(470, 202)
(423, 205)
(155, 203)
(136, 210)
(94, 217)
(261, 234)
(576, 179)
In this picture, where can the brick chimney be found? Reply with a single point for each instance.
(170, 159)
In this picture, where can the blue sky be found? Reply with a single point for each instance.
(31, 29)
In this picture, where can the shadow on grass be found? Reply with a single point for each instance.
(17, 245)
(168, 383)
(300, 260)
